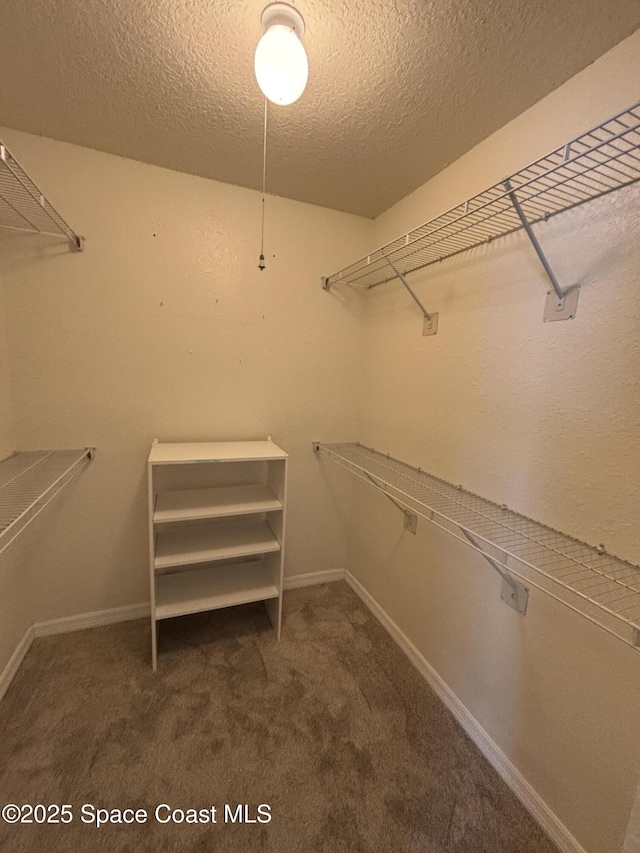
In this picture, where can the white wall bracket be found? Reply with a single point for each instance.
(430, 324)
(410, 518)
(556, 308)
(513, 593)
(516, 596)
(410, 521)
(561, 304)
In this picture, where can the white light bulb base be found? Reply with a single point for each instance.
(284, 15)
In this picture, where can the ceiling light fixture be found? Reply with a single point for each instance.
(282, 70)
(280, 62)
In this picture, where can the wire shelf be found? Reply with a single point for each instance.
(29, 481)
(597, 162)
(24, 207)
(590, 581)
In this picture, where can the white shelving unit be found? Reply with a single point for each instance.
(216, 528)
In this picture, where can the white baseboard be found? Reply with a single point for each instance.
(531, 800)
(15, 660)
(64, 626)
(91, 620)
(312, 578)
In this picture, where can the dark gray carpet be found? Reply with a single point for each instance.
(331, 727)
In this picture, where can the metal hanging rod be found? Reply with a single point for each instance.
(29, 481)
(24, 207)
(597, 585)
(603, 159)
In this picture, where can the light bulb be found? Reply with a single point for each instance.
(281, 65)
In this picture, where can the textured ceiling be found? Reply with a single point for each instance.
(397, 89)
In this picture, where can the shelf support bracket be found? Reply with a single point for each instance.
(410, 518)
(561, 304)
(513, 593)
(430, 326)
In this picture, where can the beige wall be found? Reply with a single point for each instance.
(21, 567)
(632, 841)
(166, 328)
(7, 431)
(542, 417)
(15, 585)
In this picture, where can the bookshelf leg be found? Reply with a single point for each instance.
(154, 644)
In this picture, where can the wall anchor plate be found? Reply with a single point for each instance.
(430, 325)
(410, 521)
(517, 597)
(561, 309)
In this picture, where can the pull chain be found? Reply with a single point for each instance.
(261, 265)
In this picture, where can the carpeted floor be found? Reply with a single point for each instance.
(331, 727)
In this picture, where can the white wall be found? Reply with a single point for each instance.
(542, 417)
(166, 328)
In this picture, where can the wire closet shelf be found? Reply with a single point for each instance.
(599, 586)
(595, 163)
(28, 483)
(23, 206)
